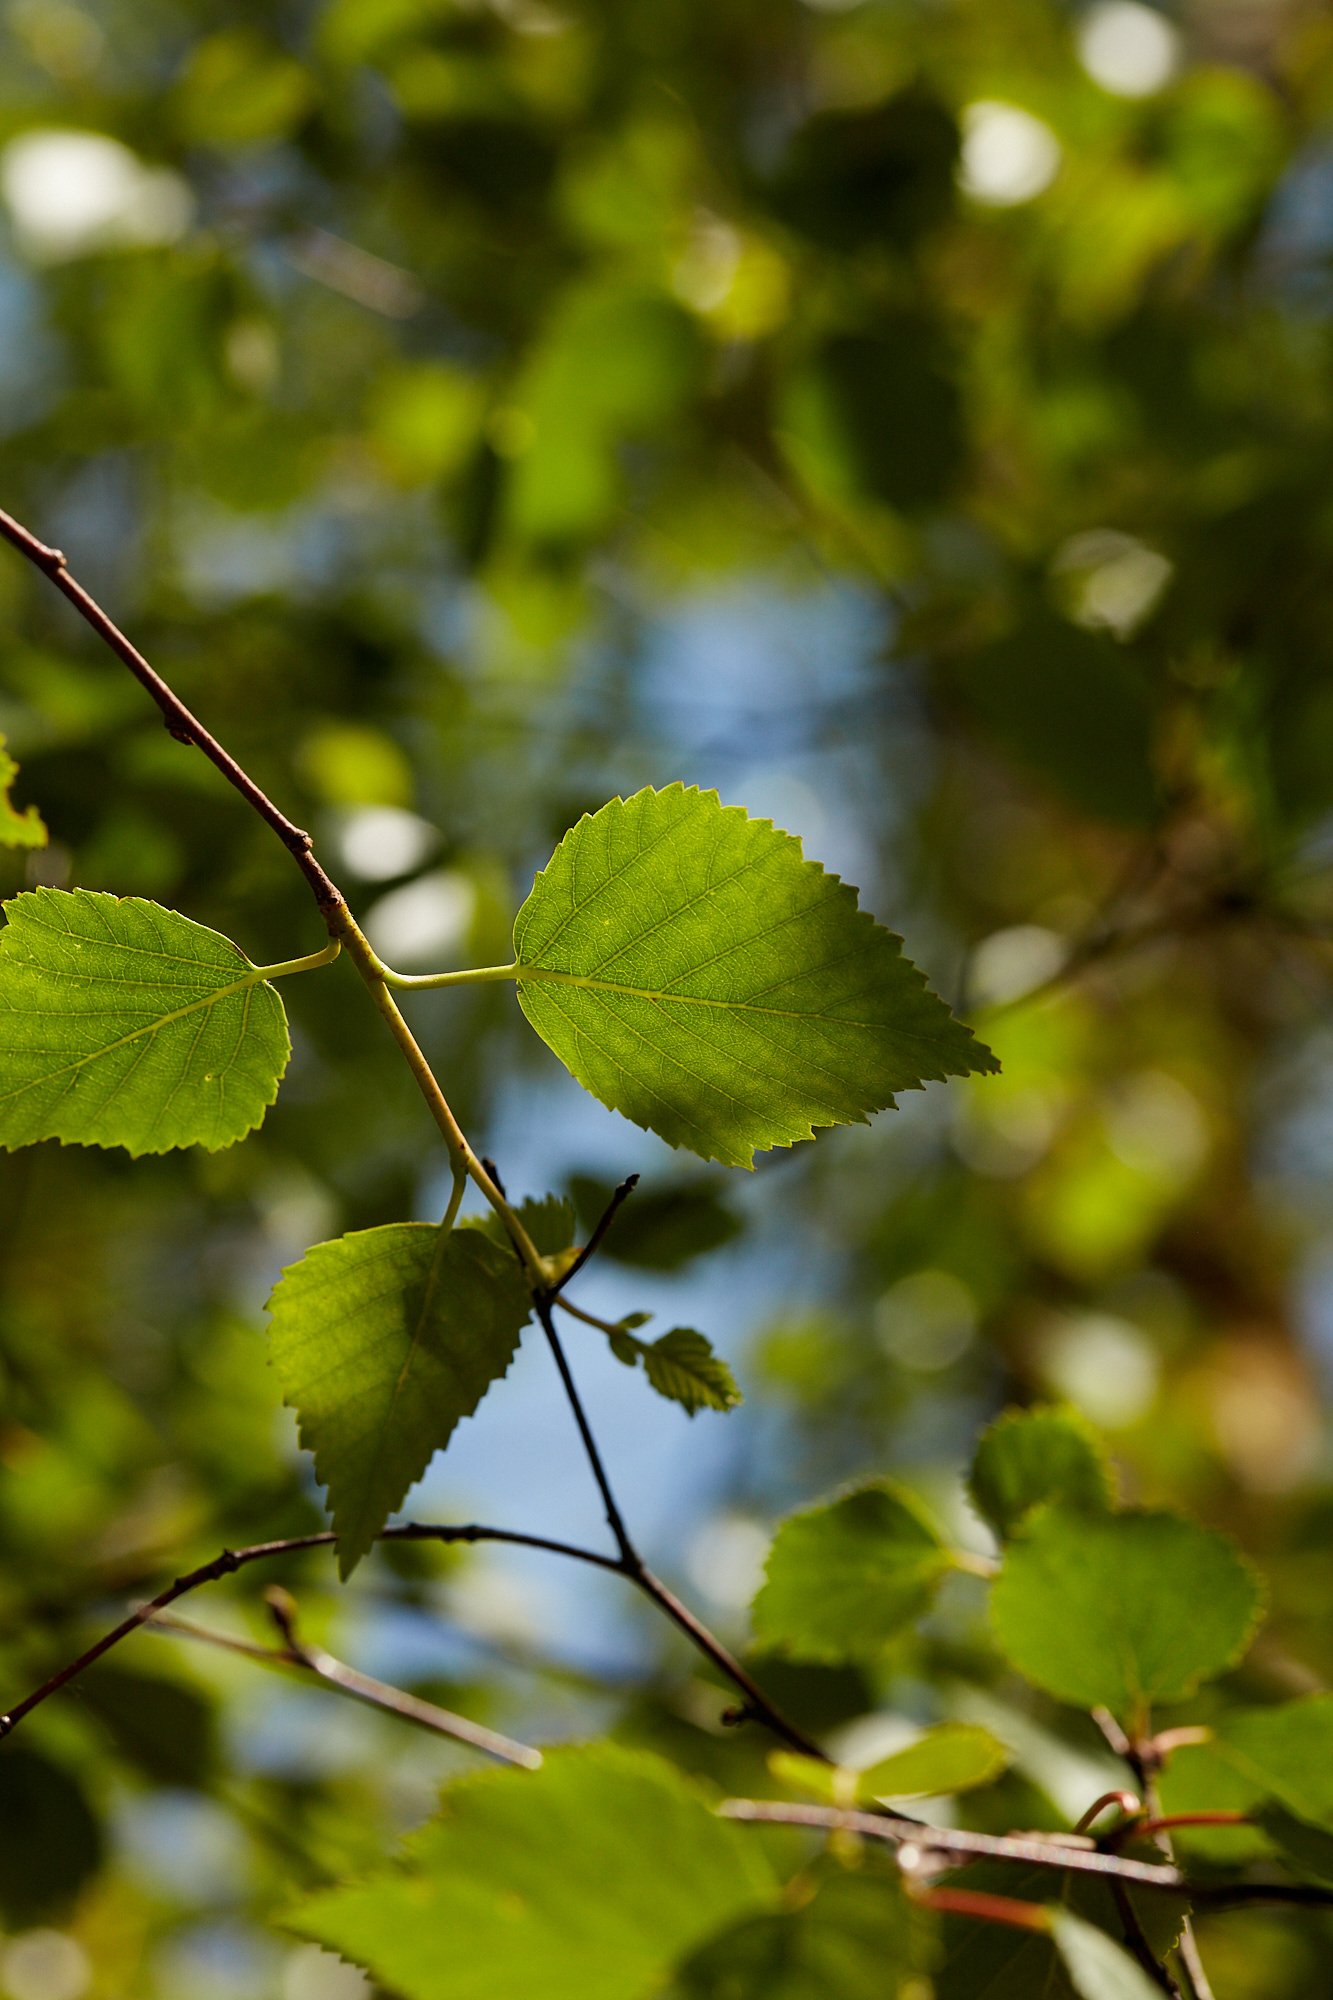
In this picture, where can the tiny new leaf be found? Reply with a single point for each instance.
(382, 1342)
(17, 829)
(695, 972)
(586, 1880)
(1121, 1611)
(123, 1024)
(1027, 1457)
(952, 1757)
(843, 1578)
(680, 1365)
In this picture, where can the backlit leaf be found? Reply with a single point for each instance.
(1030, 1456)
(1123, 1610)
(585, 1880)
(844, 1578)
(17, 829)
(123, 1024)
(1098, 1968)
(954, 1757)
(695, 972)
(382, 1341)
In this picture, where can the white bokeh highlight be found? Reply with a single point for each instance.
(70, 193)
(1008, 156)
(1129, 49)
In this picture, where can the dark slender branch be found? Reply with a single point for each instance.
(231, 1560)
(1027, 1850)
(598, 1237)
(295, 1652)
(184, 726)
(757, 1706)
(629, 1559)
(632, 1565)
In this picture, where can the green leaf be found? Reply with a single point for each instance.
(1285, 1753)
(585, 1880)
(50, 1840)
(17, 829)
(1123, 1610)
(548, 1219)
(995, 1962)
(127, 1025)
(855, 1941)
(954, 1757)
(681, 1366)
(844, 1578)
(1098, 1968)
(1307, 1850)
(382, 1341)
(695, 972)
(1027, 1457)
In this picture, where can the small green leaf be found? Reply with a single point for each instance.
(1123, 1610)
(383, 1341)
(954, 1757)
(1027, 1457)
(585, 1880)
(123, 1024)
(844, 1578)
(995, 1962)
(682, 1366)
(695, 972)
(17, 829)
(548, 1219)
(1098, 1968)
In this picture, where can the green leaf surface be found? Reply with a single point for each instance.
(548, 1219)
(124, 1024)
(855, 1941)
(1123, 1610)
(680, 1365)
(1027, 1457)
(997, 1962)
(844, 1578)
(1098, 1968)
(1282, 1753)
(17, 829)
(382, 1342)
(1307, 1850)
(954, 1757)
(696, 973)
(585, 1880)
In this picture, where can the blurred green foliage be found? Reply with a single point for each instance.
(895, 414)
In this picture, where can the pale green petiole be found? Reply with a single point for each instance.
(308, 964)
(472, 976)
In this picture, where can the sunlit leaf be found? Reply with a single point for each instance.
(585, 1880)
(844, 1578)
(1123, 1610)
(681, 1366)
(954, 1757)
(382, 1342)
(127, 1025)
(1030, 1456)
(695, 972)
(17, 828)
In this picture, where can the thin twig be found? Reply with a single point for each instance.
(1064, 1854)
(629, 1559)
(361, 1687)
(598, 1237)
(231, 1560)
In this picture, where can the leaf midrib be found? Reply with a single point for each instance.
(526, 972)
(212, 999)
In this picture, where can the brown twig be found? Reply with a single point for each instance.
(298, 1653)
(1064, 1854)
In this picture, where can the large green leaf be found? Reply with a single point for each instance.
(1282, 1754)
(123, 1024)
(585, 1880)
(1027, 1457)
(1123, 1610)
(382, 1341)
(845, 1577)
(694, 971)
(17, 829)
(855, 1941)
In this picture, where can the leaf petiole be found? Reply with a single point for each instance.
(308, 964)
